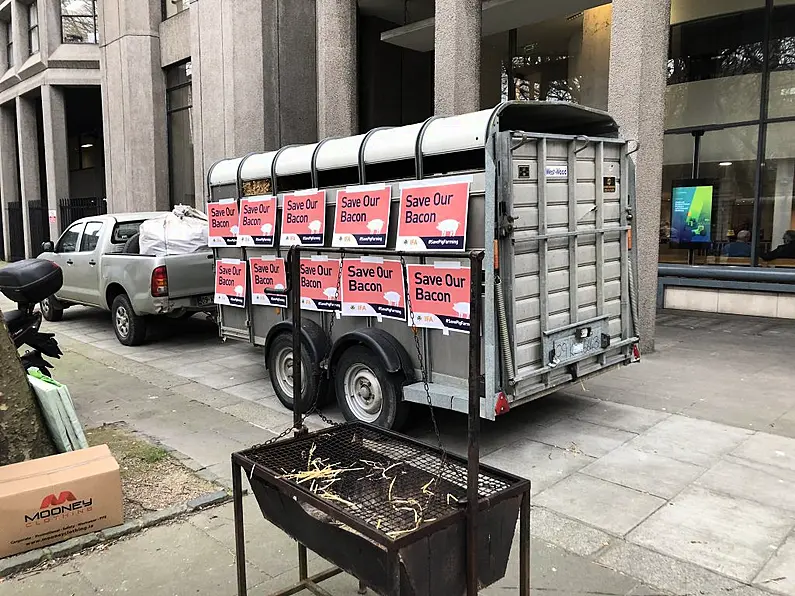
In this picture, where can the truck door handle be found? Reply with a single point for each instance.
(92, 262)
(70, 262)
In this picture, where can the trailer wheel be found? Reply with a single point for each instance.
(366, 392)
(280, 370)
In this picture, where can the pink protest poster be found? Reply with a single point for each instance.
(439, 295)
(303, 218)
(373, 287)
(362, 216)
(230, 282)
(319, 284)
(433, 214)
(257, 221)
(268, 273)
(223, 220)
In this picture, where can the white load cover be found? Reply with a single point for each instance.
(180, 232)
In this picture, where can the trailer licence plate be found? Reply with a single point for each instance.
(571, 343)
(205, 300)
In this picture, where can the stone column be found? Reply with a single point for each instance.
(27, 138)
(457, 56)
(56, 152)
(638, 58)
(133, 105)
(337, 106)
(9, 188)
(594, 58)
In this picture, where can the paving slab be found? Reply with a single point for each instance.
(260, 415)
(221, 379)
(698, 442)
(63, 580)
(177, 559)
(728, 535)
(543, 464)
(567, 533)
(744, 479)
(254, 390)
(604, 505)
(768, 449)
(591, 439)
(623, 417)
(779, 573)
(647, 472)
(670, 574)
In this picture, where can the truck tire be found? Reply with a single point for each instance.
(280, 358)
(51, 309)
(366, 392)
(130, 328)
(132, 247)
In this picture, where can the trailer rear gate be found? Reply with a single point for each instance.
(565, 262)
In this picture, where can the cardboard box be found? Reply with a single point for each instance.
(51, 499)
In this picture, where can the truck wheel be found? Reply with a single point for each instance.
(366, 392)
(49, 310)
(280, 370)
(130, 328)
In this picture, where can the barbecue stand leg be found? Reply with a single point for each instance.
(240, 540)
(524, 545)
(362, 588)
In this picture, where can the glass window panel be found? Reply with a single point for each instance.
(179, 98)
(713, 101)
(90, 236)
(68, 241)
(33, 15)
(777, 216)
(173, 7)
(728, 157)
(691, 10)
(178, 74)
(181, 158)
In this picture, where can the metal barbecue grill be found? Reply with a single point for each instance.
(403, 517)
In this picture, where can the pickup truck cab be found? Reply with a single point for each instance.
(102, 268)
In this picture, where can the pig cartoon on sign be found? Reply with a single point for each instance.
(314, 226)
(448, 227)
(234, 230)
(278, 287)
(393, 298)
(461, 309)
(375, 226)
(266, 229)
(330, 293)
(239, 291)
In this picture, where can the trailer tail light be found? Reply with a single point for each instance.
(635, 353)
(159, 282)
(502, 406)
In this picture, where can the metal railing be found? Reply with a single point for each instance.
(74, 209)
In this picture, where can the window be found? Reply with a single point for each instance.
(124, 231)
(91, 236)
(68, 241)
(173, 7)
(777, 215)
(79, 21)
(82, 152)
(33, 29)
(9, 46)
(179, 102)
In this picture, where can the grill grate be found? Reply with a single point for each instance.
(384, 480)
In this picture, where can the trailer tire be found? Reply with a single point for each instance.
(367, 392)
(279, 361)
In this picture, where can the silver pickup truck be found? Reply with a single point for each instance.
(102, 268)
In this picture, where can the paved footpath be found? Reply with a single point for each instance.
(675, 476)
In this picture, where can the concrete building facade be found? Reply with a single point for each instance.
(186, 82)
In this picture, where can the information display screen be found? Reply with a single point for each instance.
(691, 216)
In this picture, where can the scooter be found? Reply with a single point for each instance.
(27, 283)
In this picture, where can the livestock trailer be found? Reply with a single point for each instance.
(545, 189)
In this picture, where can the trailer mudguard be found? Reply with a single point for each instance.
(312, 335)
(384, 345)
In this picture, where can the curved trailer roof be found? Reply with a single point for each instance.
(435, 136)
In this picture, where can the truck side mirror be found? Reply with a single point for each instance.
(47, 246)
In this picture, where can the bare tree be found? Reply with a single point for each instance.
(79, 21)
(23, 434)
